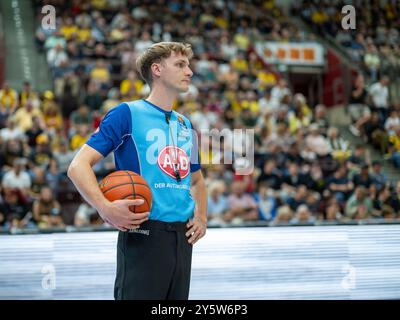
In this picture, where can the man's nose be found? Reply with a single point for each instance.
(189, 72)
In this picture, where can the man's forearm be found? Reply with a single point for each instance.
(85, 181)
(199, 193)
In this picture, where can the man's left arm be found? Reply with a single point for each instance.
(198, 225)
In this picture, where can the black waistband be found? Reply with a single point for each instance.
(161, 225)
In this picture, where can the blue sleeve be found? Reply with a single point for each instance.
(195, 154)
(115, 126)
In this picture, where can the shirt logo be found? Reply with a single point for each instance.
(172, 156)
(182, 123)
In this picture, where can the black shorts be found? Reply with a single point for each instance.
(154, 262)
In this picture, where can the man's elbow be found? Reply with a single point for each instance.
(71, 169)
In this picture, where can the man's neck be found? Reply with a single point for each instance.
(162, 98)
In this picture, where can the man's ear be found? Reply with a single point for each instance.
(156, 69)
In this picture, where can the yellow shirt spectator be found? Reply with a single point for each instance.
(99, 4)
(266, 79)
(222, 23)
(100, 74)
(68, 31)
(28, 95)
(8, 100)
(252, 105)
(240, 64)
(319, 17)
(395, 140)
(23, 117)
(78, 141)
(84, 34)
(126, 85)
(296, 123)
(242, 41)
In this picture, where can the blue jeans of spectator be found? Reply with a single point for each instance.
(340, 196)
(383, 114)
(396, 159)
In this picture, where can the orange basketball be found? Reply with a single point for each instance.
(124, 184)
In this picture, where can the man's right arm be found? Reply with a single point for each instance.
(117, 212)
(82, 175)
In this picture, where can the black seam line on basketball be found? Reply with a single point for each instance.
(121, 175)
(139, 195)
(134, 190)
(124, 184)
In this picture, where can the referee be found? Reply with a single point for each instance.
(154, 251)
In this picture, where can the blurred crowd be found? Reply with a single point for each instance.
(375, 46)
(375, 42)
(305, 171)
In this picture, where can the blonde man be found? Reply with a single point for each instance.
(154, 248)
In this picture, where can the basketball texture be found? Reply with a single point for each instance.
(124, 184)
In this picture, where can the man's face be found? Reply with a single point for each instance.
(175, 73)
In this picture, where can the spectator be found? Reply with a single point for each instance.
(42, 154)
(63, 157)
(57, 57)
(270, 176)
(15, 210)
(320, 119)
(24, 117)
(27, 94)
(80, 117)
(35, 131)
(8, 102)
(47, 210)
(372, 61)
(17, 178)
(217, 202)
(317, 142)
(85, 215)
(339, 184)
(392, 122)
(338, 146)
(379, 94)
(298, 198)
(13, 149)
(80, 137)
(293, 178)
(303, 216)
(378, 177)
(363, 178)
(242, 207)
(266, 202)
(383, 201)
(359, 206)
(100, 74)
(11, 131)
(284, 215)
(333, 210)
(92, 98)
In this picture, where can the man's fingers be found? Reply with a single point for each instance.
(196, 236)
(190, 231)
(140, 216)
(138, 222)
(133, 202)
(190, 223)
(121, 228)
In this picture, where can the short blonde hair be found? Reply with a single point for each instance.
(156, 53)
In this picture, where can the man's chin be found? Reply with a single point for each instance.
(184, 89)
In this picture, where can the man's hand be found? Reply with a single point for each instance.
(117, 214)
(197, 229)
